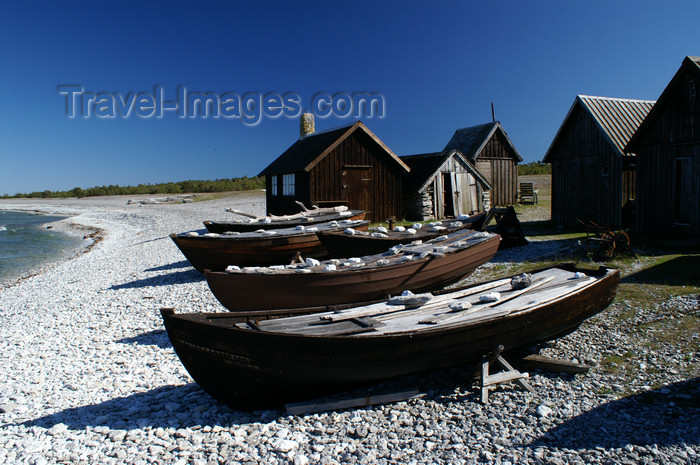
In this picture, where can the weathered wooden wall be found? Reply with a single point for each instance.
(668, 152)
(580, 156)
(360, 174)
(430, 203)
(498, 163)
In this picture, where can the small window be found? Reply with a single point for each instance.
(273, 185)
(605, 170)
(288, 184)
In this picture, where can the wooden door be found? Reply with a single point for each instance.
(438, 196)
(682, 190)
(465, 194)
(357, 188)
(448, 188)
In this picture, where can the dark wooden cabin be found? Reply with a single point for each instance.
(491, 151)
(668, 150)
(593, 176)
(347, 166)
(442, 185)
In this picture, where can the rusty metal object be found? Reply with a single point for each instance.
(610, 243)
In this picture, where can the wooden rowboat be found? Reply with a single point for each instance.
(217, 251)
(250, 364)
(310, 217)
(357, 243)
(419, 267)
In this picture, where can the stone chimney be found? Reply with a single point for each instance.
(306, 125)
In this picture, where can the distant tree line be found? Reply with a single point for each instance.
(218, 185)
(535, 167)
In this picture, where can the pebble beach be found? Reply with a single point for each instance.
(88, 375)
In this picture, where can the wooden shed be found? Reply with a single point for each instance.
(442, 185)
(668, 150)
(345, 166)
(593, 176)
(491, 151)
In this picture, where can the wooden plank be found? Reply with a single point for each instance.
(478, 316)
(521, 380)
(451, 316)
(314, 406)
(548, 293)
(365, 322)
(382, 308)
(341, 328)
(502, 377)
(511, 374)
(541, 362)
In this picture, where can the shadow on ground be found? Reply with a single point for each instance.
(534, 251)
(168, 406)
(176, 277)
(542, 228)
(157, 337)
(170, 266)
(149, 240)
(663, 416)
(188, 405)
(679, 271)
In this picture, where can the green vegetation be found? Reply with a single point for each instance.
(535, 167)
(615, 363)
(218, 185)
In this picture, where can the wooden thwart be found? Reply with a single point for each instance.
(313, 406)
(490, 380)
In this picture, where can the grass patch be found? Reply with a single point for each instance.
(673, 330)
(672, 270)
(617, 363)
(220, 195)
(604, 391)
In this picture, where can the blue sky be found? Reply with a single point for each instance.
(438, 65)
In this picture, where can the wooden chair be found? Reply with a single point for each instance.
(528, 193)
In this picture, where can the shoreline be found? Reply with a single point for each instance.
(89, 375)
(92, 234)
(66, 206)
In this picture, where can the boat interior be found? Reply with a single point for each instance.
(473, 305)
(436, 247)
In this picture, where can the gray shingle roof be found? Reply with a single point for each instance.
(469, 141)
(425, 165)
(303, 152)
(422, 166)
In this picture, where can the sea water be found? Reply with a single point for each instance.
(26, 243)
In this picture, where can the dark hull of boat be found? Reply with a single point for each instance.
(220, 227)
(255, 292)
(255, 369)
(341, 245)
(216, 254)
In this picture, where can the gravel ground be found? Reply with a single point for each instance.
(87, 373)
